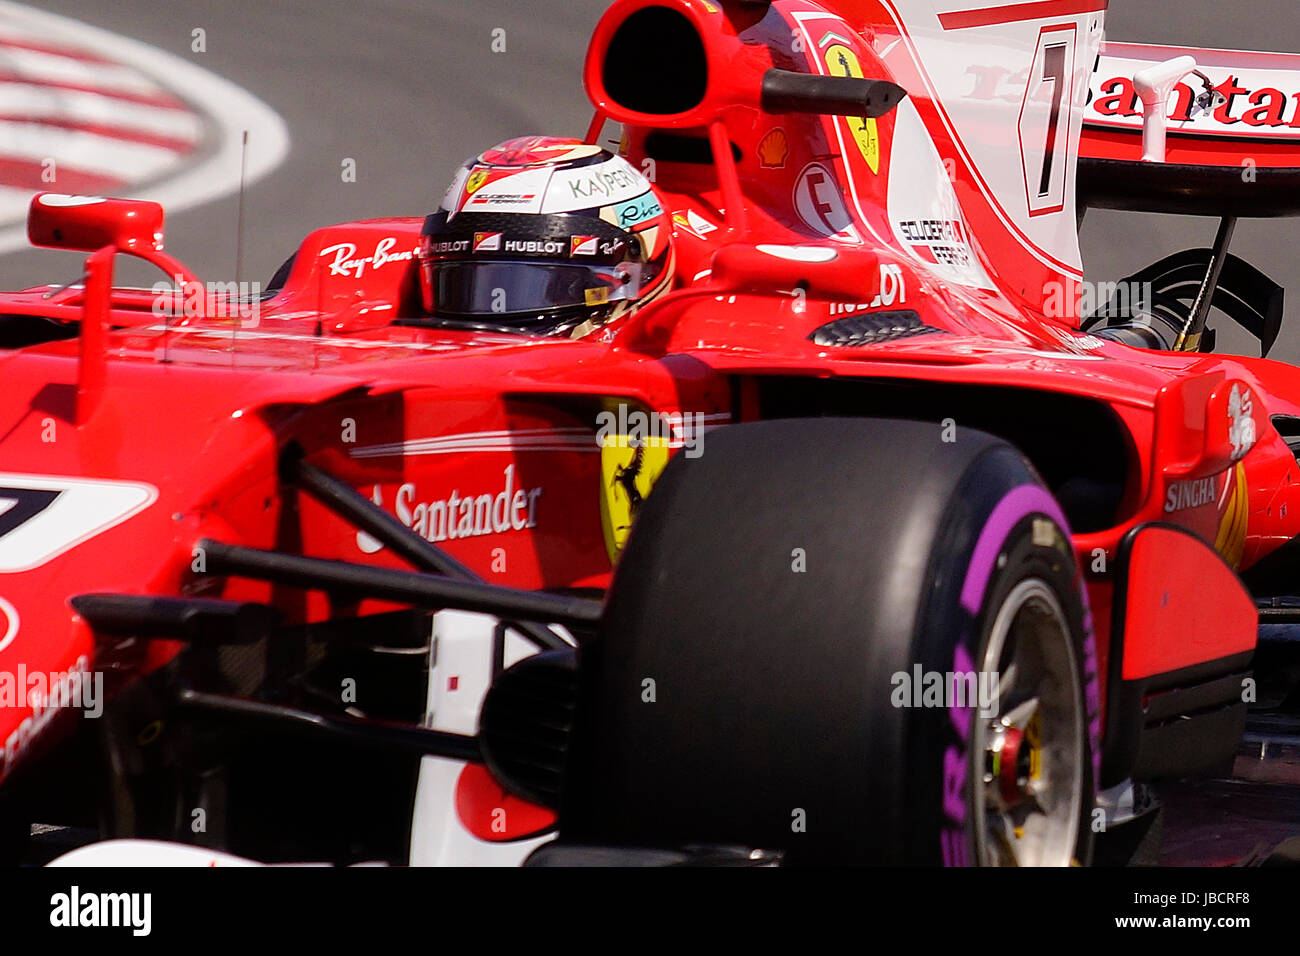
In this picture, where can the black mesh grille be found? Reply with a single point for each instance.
(871, 328)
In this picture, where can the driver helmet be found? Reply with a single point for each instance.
(545, 236)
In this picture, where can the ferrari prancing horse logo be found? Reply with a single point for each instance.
(475, 181)
(628, 469)
(841, 61)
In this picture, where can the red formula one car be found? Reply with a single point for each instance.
(937, 551)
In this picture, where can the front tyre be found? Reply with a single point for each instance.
(849, 641)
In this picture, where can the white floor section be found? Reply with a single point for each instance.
(462, 648)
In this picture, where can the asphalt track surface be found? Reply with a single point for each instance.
(410, 88)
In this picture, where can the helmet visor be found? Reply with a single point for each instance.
(499, 288)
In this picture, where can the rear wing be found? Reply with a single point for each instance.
(1233, 134)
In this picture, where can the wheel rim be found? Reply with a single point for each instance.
(1030, 761)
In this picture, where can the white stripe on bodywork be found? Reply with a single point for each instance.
(84, 508)
(530, 439)
(542, 439)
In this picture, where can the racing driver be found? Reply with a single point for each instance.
(544, 236)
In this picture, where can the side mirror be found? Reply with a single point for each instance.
(88, 223)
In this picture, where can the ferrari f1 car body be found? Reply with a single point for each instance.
(298, 541)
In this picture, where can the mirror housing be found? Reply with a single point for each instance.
(89, 223)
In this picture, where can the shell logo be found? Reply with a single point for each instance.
(773, 149)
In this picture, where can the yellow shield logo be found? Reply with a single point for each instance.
(475, 181)
(841, 61)
(628, 469)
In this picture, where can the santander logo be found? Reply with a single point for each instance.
(500, 510)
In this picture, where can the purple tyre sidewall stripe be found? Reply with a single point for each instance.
(1014, 507)
(1009, 512)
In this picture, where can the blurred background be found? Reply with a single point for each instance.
(410, 88)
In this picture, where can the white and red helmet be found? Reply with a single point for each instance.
(546, 236)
